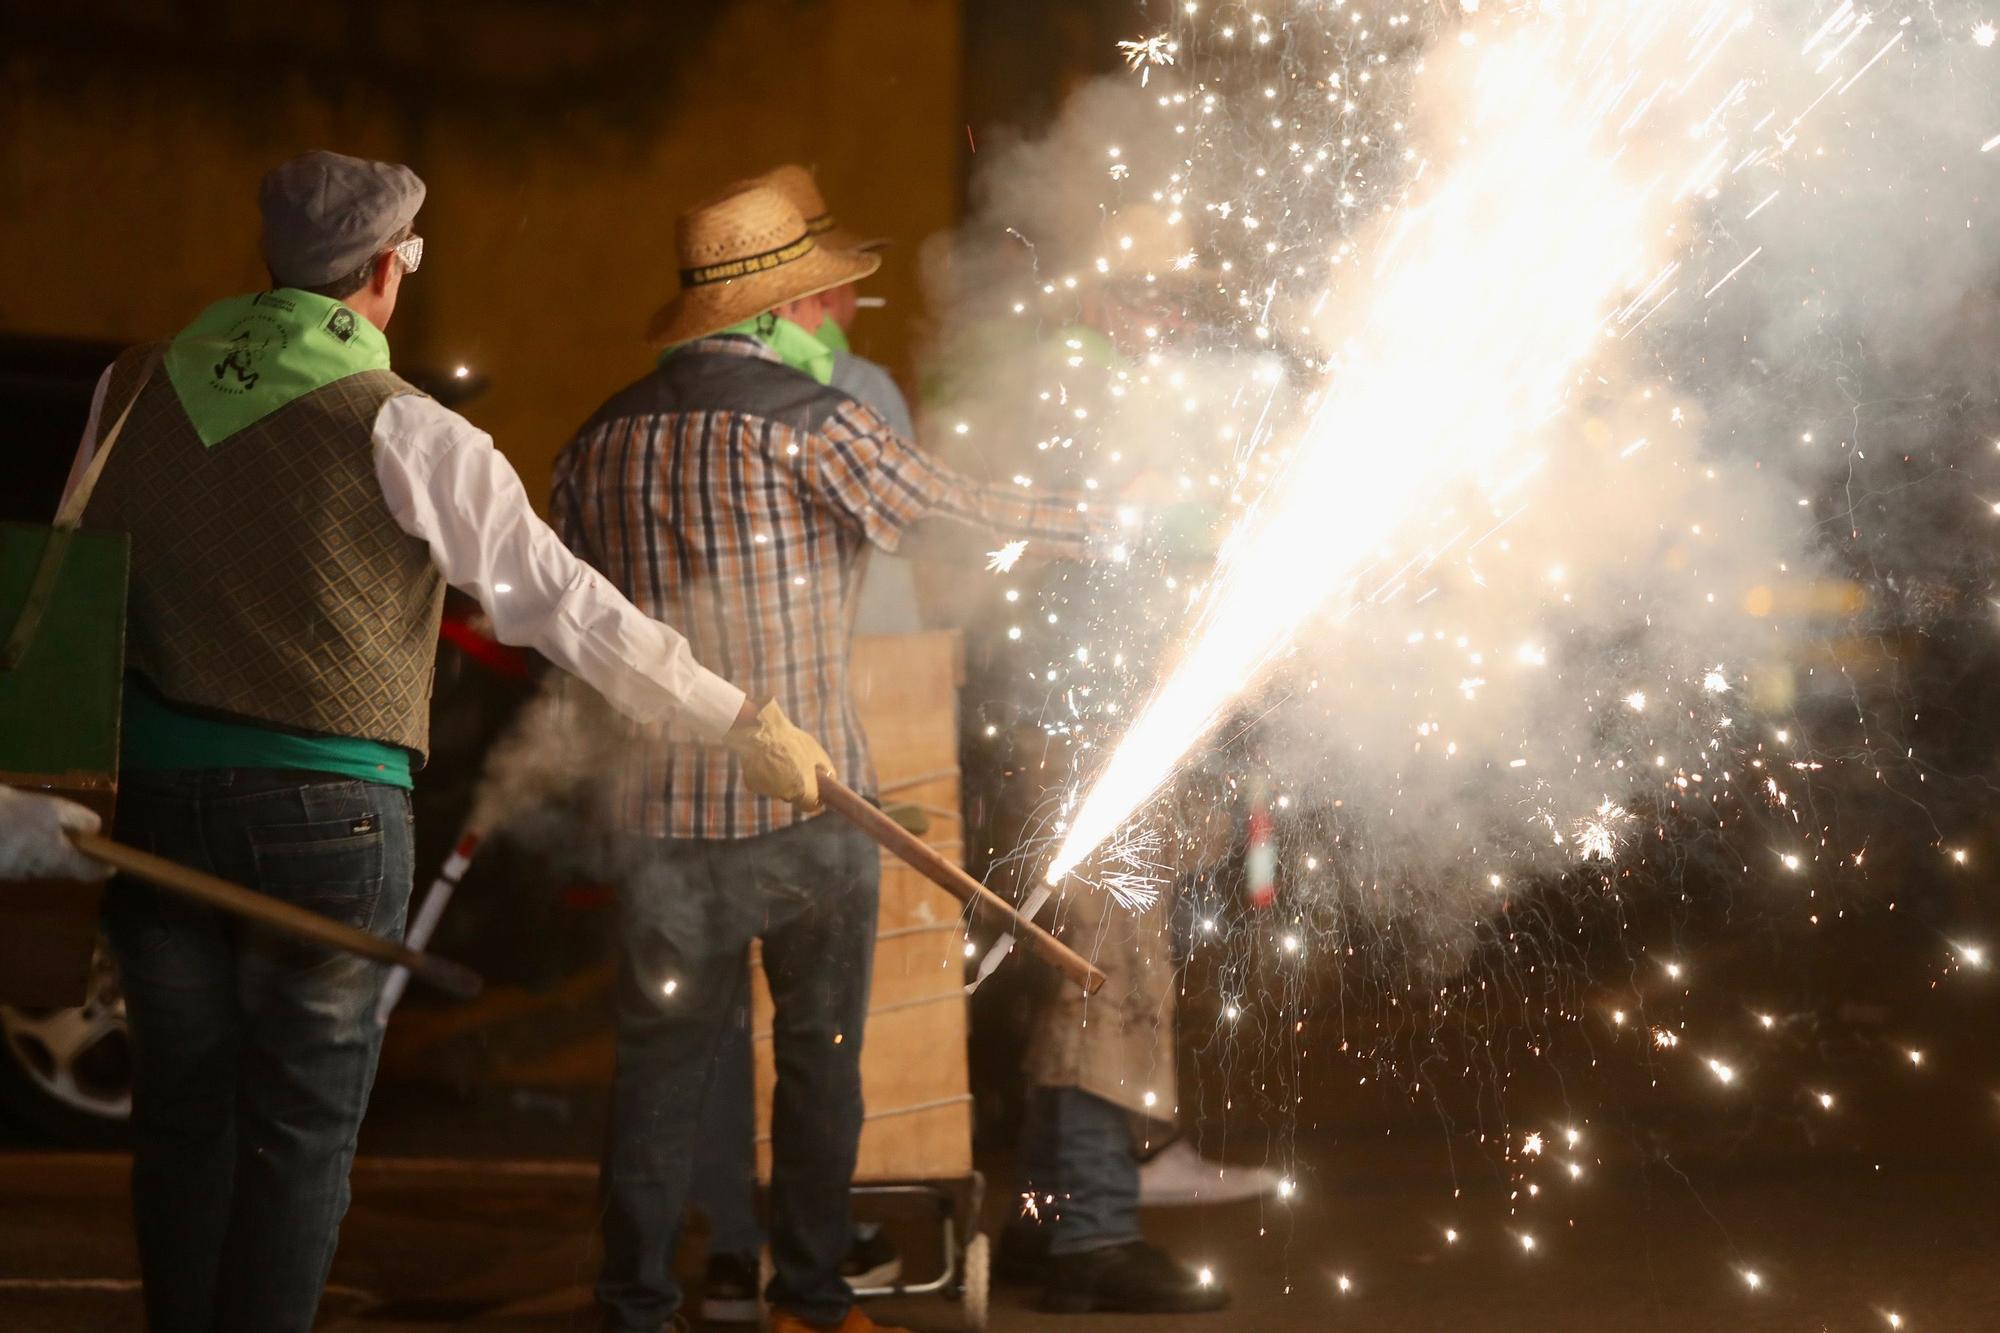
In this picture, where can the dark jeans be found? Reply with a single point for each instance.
(724, 1185)
(1077, 1150)
(253, 1054)
(688, 911)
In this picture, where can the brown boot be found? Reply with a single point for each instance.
(783, 1321)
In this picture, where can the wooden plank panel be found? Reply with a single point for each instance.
(917, 963)
(913, 1068)
(934, 1143)
(914, 1054)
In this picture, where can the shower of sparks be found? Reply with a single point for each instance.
(1503, 272)
(1003, 560)
(1134, 868)
(1597, 838)
(1452, 265)
(1147, 52)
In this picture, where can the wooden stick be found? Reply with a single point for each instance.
(926, 861)
(447, 976)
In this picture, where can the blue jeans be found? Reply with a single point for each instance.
(253, 1053)
(1077, 1149)
(687, 913)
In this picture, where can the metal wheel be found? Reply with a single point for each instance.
(978, 1281)
(68, 1072)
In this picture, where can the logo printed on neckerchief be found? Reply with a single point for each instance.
(254, 338)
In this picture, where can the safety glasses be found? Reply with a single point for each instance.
(411, 253)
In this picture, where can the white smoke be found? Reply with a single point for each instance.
(1714, 492)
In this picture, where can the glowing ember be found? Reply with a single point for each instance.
(1004, 559)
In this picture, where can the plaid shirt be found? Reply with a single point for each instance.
(742, 524)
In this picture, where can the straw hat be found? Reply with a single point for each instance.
(797, 184)
(742, 254)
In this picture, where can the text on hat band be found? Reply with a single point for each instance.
(758, 263)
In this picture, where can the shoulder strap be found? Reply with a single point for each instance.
(71, 513)
(42, 587)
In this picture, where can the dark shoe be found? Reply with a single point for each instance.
(872, 1261)
(1133, 1278)
(729, 1295)
(1023, 1256)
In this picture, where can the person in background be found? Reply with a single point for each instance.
(1099, 1136)
(734, 489)
(725, 1176)
(295, 510)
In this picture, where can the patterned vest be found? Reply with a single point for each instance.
(269, 580)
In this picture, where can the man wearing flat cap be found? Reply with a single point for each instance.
(295, 510)
(733, 490)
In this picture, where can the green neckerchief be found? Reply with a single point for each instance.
(244, 358)
(835, 337)
(793, 345)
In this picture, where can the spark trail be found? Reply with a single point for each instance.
(1488, 295)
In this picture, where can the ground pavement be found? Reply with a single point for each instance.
(489, 1242)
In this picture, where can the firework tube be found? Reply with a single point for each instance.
(447, 976)
(1005, 944)
(931, 864)
(425, 923)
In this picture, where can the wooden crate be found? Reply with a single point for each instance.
(913, 1076)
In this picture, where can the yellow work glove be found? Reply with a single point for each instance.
(779, 760)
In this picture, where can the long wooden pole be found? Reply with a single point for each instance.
(447, 976)
(932, 865)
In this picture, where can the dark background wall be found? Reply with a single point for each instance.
(559, 139)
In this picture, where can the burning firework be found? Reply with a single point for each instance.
(1501, 278)
(1516, 335)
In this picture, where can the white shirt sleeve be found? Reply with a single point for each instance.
(446, 484)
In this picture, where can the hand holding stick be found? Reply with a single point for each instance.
(932, 865)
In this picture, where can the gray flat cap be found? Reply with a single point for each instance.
(327, 214)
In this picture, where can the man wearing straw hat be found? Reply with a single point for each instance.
(295, 510)
(734, 490)
(887, 602)
(724, 1184)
